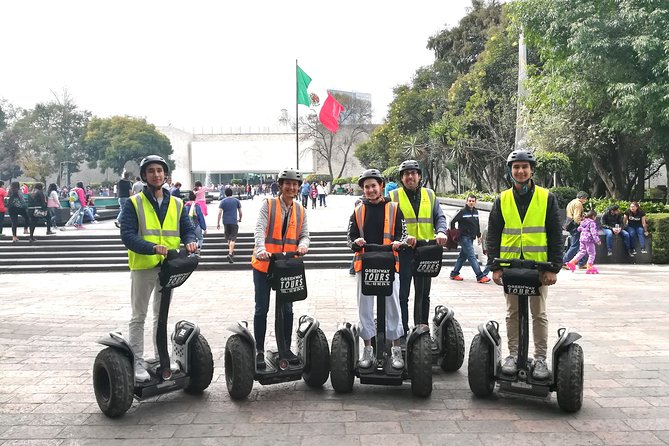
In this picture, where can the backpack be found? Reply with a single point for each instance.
(74, 197)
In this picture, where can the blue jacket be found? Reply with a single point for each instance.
(130, 224)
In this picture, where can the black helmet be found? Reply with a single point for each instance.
(410, 165)
(152, 159)
(370, 173)
(289, 173)
(521, 155)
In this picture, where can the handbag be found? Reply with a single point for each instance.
(40, 213)
(569, 224)
(378, 273)
(427, 260)
(452, 237)
(287, 278)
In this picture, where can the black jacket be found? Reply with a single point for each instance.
(553, 229)
(468, 222)
(609, 220)
(373, 225)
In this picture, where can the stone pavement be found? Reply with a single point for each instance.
(49, 325)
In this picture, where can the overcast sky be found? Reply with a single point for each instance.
(212, 64)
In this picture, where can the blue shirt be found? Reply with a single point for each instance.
(230, 206)
(305, 189)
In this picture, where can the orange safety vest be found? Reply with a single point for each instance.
(274, 241)
(388, 231)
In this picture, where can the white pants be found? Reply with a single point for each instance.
(394, 327)
(144, 282)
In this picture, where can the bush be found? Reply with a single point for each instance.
(318, 177)
(601, 204)
(658, 224)
(564, 195)
(237, 181)
(392, 173)
(480, 196)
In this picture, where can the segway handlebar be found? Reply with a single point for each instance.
(421, 243)
(523, 263)
(281, 255)
(372, 247)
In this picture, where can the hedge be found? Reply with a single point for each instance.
(658, 224)
(318, 177)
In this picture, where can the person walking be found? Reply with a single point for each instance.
(524, 223)
(589, 237)
(228, 209)
(52, 203)
(572, 222)
(37, 210)
(16, 205)
(281, 227)
(320, 188)
(152, 222)
(124, 192)
(3, 208)
(424, 218)
(196, 218)
(380, 221)
(313, 193)
(305, 191)
(78, 203)
(200, 197)
(467, 220)
(137, 186)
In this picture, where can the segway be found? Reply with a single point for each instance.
(448, 342)
(286, 272)
(522, 278)
(378, 271)
(113, 370)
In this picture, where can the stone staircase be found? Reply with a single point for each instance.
(83, 252)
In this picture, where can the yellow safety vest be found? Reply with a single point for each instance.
(149, 228)
(524, 239)
(421, 227)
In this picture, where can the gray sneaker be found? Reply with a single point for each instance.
(509, 366)
(141, 375)
(367, 357)
(396, 357)
(540, 369)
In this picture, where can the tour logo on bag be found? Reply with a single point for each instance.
(291, 284)
(177, 280)
(376, 277)
(522, 290)
(428, 266)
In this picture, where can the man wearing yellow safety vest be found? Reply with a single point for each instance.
(524, 223)
(152, 222)
(424, 218)
(281, 227)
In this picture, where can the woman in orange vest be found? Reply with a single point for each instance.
(281, 227)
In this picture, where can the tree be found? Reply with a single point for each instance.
(354, 126)
(111, 142)
(9, 148)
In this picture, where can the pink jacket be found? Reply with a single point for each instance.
(588, 230)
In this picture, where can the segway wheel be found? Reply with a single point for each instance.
(317, 367)
(341, 364)
(454, 345)
(480, 367)
(570, 378)
(239, 367)
(113, 382)
(200, 367)
(420, 366)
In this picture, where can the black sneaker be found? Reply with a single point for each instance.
(231, 259)
(632, 252)
(260, 360)
(609, 253)
(292, 358)
(117, 224)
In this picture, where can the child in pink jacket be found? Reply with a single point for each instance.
(588, 239)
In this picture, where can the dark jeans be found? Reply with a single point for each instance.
(121, 203)
(52, 216)
(574, 244)
(262, 290)
(14, 216)
(2, 220)
(637, 233)
(321, 200)
(609, 238)
(305, 200)
(421, 286)
(467, 253)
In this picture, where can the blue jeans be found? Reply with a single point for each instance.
(467, 253)
(609, 238)
(121, 203)
(262, 290)
(635, 233)
(574, 243)
(421, 287)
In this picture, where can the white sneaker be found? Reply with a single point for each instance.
(396, 357)
(141, 375)
(509, 366)
(367, 357)
(174, 366)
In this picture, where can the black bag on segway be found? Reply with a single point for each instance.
(287, 278)
(427, 260)
(378, 273)
(521, 281)
(177, 268)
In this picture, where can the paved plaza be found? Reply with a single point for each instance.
(49, 324)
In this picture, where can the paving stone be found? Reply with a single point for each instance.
(649, 424)
(203, 430)
(31, 432)
(629, 438)
(373, 427)
(320, 440)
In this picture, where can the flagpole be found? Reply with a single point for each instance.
(297, 121)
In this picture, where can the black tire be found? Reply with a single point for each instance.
(454, 346)
(318, 363)
(239, 367)
(480, 367)
(341, 364)
(420, 366)
(113, 382)
(570, 378)
(200, 367)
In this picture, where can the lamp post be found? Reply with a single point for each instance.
(65, 171)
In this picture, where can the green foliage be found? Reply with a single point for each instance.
(656, 193)
(392, 173)
(564, 195)
(480, 196)
(601, 204)
(548, 163)
(237, 181)
(318, 177)
(111, 142)
(658, 224)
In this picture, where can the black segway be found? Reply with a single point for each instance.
(287, 276)
(522, 278)
(113, 370)
(448, 341)
(378, 271)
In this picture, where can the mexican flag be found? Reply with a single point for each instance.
(329, 111)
